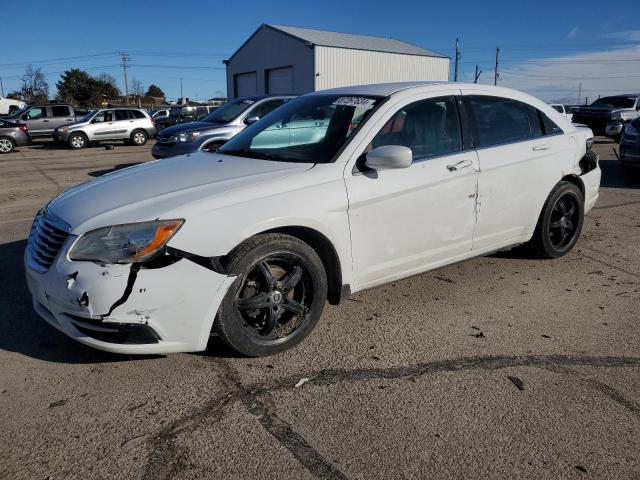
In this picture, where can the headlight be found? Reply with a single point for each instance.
(616, 116)
(186, 137)
(129, 243)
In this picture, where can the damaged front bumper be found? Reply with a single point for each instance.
(129, 308)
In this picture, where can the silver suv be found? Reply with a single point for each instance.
(133, 125)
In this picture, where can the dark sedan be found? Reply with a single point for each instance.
(13, 135)
(630, 146)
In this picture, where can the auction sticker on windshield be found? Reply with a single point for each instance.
(355, 102)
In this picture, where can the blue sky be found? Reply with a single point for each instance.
(547, 48)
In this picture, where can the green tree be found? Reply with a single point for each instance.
(77, 86)
(35, 88)
(155, 91)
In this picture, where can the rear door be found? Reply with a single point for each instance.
(519, 159)
(60, 115)
(122, 124)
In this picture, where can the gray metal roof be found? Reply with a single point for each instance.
(355, 42)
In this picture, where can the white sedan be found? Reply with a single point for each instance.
(250, 242)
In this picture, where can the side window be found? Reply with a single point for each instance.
(122, 115)
(550, 128)
(266, 107)
(535, 122)
(35, 113)
(60, 111)
(500, 120)
(428, 127)
(136, 114)
(98, 118)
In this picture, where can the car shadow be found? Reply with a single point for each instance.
(614, 176)
(23, 332)
(99, 173)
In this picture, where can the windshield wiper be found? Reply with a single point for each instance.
(248, 153)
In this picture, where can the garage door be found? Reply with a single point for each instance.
(280, 80)
(246, 84)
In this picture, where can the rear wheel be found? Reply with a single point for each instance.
(138, 138)
(277, 298)
(6, 145)
(560, 222)
(78, 141)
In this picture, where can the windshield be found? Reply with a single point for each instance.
(88, 116)
(309, 129)
(175, 111)
(228, 111)
(17, 113)
(615, 102)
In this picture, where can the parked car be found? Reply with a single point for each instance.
(184, 114)
(42, 120)
(13, 135)
(560, 108)
(9, 106)
(216, 128)
(609, 115)
(159, 113)
(132, 125)
(630, 146)
(250, 242)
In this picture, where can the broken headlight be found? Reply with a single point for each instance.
(129, 243)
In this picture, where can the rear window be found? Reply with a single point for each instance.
(137, 114)
(60, 111)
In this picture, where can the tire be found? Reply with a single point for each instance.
(560, 222)
(138, 138)
(78, 140)
(7, 145)
(262, 316)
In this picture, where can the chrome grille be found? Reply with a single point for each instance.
(48, 234)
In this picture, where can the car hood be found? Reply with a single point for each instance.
(169, 188)
(190, 127)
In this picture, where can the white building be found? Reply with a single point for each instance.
(278, 59)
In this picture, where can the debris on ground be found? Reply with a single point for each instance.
(301, 382)
(517, 382)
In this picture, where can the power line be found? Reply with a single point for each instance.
(545, 77)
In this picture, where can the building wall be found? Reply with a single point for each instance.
(339, 67)
(270, 49)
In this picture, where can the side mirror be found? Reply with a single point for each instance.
(251, 119)
(389, 156)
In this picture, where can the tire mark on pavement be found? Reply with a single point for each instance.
(608, 264)
(166, 459)
(284, 433)
(48, 177)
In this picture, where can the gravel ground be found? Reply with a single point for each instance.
(498, 367)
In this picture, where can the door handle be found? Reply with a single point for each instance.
(460, 165)
(546, 146)
(45, 121)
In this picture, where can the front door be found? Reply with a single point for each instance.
(404, 221)
(102, 126)
(37, 121)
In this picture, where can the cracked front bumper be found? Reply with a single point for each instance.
(169, 309)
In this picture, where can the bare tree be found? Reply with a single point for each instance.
(35, 88)
(136, 87)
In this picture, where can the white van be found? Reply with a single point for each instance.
(9, 106)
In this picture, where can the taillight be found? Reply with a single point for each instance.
(23, 127)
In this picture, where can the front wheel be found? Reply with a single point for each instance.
(560, 222)
(6, 145)
(277, 298)
(78, 141)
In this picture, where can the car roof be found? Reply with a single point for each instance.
(388, 89)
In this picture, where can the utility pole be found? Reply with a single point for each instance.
(1, 88)
(478, 73)
(579, 92)
(125, 58)
(455, 74)
(181, 97)
(495, 78)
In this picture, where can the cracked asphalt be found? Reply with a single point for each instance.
(498, 367)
